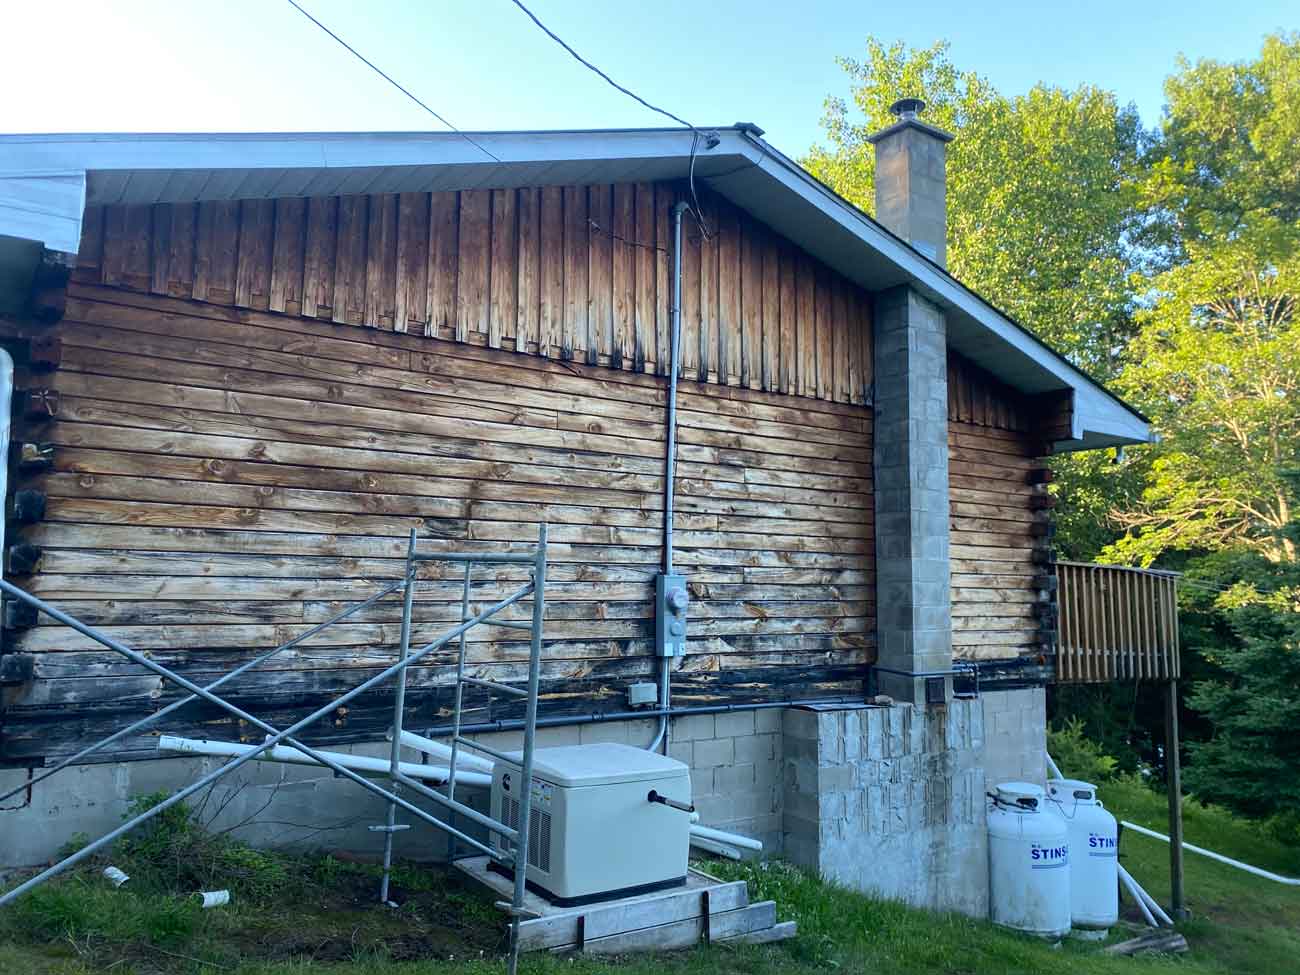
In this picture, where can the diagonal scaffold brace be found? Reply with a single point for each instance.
(517, 836)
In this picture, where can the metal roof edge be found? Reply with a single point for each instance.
(52, 153)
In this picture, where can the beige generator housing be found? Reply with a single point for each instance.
(594, 834)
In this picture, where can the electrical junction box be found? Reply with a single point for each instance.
(642, 693)
(671, 601)
(594, 834)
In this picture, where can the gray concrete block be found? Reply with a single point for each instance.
(719, 751)
(756, 749)
(693, 727)
(610, 731)
(735, 724)
(733, 778)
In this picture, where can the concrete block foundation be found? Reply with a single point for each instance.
(890, 800)
(887, 799)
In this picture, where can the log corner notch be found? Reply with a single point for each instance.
(1042, 531)
(36, 351)
(48, 298)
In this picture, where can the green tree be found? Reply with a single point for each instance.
(1216, 363)
(1041, 190)
(1042, 202)
(1246, 610)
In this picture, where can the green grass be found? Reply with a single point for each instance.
(309, 915)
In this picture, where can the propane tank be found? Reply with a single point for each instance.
(1029, 862)
(1094, 845)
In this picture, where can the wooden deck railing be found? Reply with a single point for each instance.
(1116, 623)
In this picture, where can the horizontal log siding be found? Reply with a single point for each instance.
(223, 479)
(991, 451)
(576, 273)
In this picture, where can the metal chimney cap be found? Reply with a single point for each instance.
(907, 108)
(906, 111)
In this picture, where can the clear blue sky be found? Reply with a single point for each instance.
(258, 65)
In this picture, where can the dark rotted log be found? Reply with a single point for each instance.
(1047, 612)
(1042, 502)
(27, 506)
(1039, 475)
(34, 456)
(45, 352)
(1043, 556)
(39, 404)
(60, 727)
(15, 668)
(21, 558)
(48, 298)
(1045, 583)
(19, 615)
(1042, 529)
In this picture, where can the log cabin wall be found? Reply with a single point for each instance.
(994, 436)
(234, 459)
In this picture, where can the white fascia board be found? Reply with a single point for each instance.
(249, 151)
(1097, 411)
(43, 206)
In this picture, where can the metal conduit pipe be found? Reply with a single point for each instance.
(670, 462)
(599, 717)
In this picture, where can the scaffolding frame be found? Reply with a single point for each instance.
(516, 853)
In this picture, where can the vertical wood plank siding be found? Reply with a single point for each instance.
(1117, 623)
(991, 451)
(578, 273)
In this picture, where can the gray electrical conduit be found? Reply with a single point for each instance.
(670, 460)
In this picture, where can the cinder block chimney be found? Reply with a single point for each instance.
(910, 453)
(911, 185)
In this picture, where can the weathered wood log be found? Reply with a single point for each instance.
(1154, 942)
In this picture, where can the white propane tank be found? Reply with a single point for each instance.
(1094, 841)
(1029, 862)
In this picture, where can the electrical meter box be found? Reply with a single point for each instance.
(594, 833)
(671, 600)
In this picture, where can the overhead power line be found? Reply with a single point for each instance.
(379, 71)
(587, 64)
(696, 135)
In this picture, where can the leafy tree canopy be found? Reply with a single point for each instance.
(1216, 363)
(1041, 189)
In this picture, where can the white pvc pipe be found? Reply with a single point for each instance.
(721, 849)
(291, 756)
(463, 761)
(1052, 767)
(1142, 892)
(721, 836)
(1131, 886)
(1276, 878)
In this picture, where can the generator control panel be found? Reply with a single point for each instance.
(671, 601)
